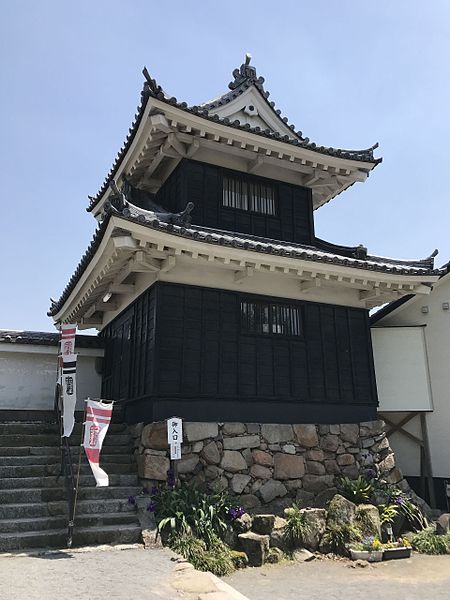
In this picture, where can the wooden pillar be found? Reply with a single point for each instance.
(428, 471)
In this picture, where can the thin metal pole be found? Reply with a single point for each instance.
(427, 459)
(83, 425)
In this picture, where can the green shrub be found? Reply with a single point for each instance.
(297, 527)
(388, 513)
(427, 542)
(217, 558)
(357, 490)
(338, 537)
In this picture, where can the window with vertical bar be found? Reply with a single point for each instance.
(248, 195)
(270, 318)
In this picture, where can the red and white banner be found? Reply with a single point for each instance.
(69, 392)
(98, 417)
(67, 336)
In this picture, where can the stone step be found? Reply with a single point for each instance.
(44, 509)
(21, 461)
(14, 483)
(52, 494)
(15, 427)
(60, 522)
(54, 450)
(41, 439)
(45, 470)
(57, 538)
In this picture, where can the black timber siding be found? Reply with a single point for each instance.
(202, 184)
(179, 350)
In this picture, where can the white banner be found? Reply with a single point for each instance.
(98, 417)
(69, 392)
(67, 335)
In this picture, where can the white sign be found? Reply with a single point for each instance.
(175, 437)
(175, 451)
(174, 430)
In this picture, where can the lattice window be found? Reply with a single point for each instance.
(265, 318)
(249, 195)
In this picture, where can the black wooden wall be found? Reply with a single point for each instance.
(202, 184)
(179, 350)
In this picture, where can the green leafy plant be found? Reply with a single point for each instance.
(370, 544)
(388, 513)
(338, 537)
(357, 490)
(218, 558)
(427, 542)
(297, 527)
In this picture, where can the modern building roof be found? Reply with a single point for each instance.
(245, 78)
(46, 338)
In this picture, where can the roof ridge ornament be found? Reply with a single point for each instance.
(244, 73)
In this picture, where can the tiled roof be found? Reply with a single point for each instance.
(245, 77)
(356, 257)
(46, 338)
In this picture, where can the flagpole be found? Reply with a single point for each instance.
(83, 425)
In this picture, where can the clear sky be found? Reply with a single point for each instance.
(347, 73)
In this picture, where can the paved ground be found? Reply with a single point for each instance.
(418, 578)
(94, 575)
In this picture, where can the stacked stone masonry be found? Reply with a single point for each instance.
(268, 462)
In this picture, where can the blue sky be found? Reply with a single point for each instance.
(347, 73)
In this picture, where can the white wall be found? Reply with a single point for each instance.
(437, 339)
(28, 375)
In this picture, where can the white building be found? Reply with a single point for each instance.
(411, 344)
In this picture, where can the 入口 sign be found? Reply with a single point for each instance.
(175, 437)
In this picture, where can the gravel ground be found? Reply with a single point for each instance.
(94, 575)
(419, 578)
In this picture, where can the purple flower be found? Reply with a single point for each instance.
(151, 507)
(370, 474)
(235, 512)
(399, 500)
(171, 478)
(154, 491)
(131, 500)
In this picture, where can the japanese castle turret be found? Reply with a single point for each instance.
(214, 297)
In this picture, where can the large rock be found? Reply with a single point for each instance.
(154, 435)
(212, 472)
(263, 524)
(368, 518)
(316, 521)
(316, 468)
(272, 489)
(344, 460)
(371, 428)
(322, 499)
(233, 461)
(239, 481)
(350, 433)
(255, 546)
(332, 467)
(187, 463)
(262, 458)
(288, 466)
(243, 441)
(243, 523)
(277, 537)
(317, 483)
(341, 510)
(211, 453)
(250, 501)
(233, 428)
(443, 524)
(260, 472)
(306, 435)
(274, 434)
(153, 467)
(387, 464)
(200, 431)
(329, 442)
(316, 455)
(304, 498)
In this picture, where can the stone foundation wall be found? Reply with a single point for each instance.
(268, 462)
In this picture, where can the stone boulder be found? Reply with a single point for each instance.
(239, 481)
(260, 472)
(306, 435)
(304, 499)
(241, 442)
(288, 466)
(368, 520)
(443, 524)
(263, 524)
(272, 489)
(153, 467)
(265, 459)
(243, 523)
(233, 428)
(255, 546)
(350, 433)
(277, 538)
(233, 461)
(187, 463)
(200, 431)
(274, 434)
(315, 519)
(154, 435)
(317, 483)
(211, 453)
(341, 510)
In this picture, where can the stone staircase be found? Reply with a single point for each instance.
(33, 504)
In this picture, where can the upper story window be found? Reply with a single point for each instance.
(263, 317)
(254, 196)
